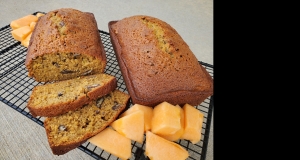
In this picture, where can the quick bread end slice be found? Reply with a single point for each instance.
(70, 130)
(57, 98)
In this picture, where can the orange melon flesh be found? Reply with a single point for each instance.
(131, 126)
(200, 124)
(32, 25)
(148, 112)
(192, 130)
(25, 42)
(166, 119)
(21, 33)
(176, 136)
(39, 14)
(113, 142)
(158, 148)
(24, 21)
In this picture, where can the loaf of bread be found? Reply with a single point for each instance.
(56, 98)
(156, 63)
(70, 130)
(65, 44)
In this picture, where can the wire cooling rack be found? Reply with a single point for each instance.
(16, 88)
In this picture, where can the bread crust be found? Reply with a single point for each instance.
(183, 81)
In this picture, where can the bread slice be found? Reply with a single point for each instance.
(57, 98)
(70, 130)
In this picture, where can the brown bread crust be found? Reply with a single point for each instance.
(151, 74)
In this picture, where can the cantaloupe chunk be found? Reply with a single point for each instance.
(113, 142)
(192, 126)
(39, 14)
(25, 42)
(24, 21)
(166, 119)
(148, 112)
(21, 33)
(131, 126)
(176, 136)
(158, 148)
(200, 122)
(32, 25)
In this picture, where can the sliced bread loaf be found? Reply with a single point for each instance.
(56, 98)
(70, 130)
(65, 44)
